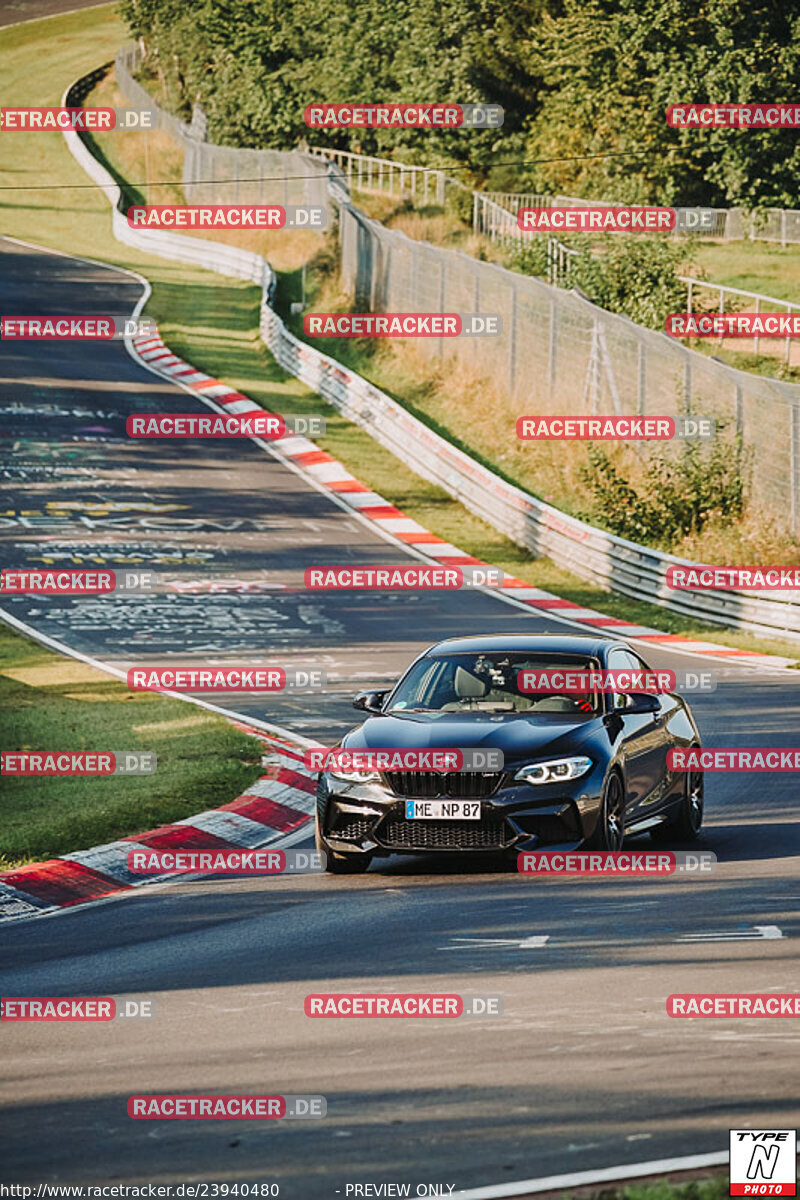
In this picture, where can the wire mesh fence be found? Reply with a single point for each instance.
(227, 174)
(557, 352)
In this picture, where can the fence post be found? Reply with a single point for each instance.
(552, 348)
(475, 210)
(641, 394)
(788, 342)
(512, 340)
(442, 270)
(794, 466)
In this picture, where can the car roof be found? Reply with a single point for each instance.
(546, 643)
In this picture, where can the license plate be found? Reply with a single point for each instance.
(443, 810)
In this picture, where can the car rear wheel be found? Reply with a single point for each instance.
(687, 821)
(339, 864)
(610, 831)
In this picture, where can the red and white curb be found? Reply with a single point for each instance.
(274, 811)
(328, 474)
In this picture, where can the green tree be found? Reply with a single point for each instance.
(611, 68)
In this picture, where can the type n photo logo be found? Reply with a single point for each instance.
(763, 1162)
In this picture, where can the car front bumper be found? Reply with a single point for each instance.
(369, 818)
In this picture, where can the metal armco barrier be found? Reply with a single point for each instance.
(590, 553)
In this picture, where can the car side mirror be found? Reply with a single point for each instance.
(371, 702)
(642, 702)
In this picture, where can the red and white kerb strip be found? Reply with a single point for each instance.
(324, 469)
(275, 806)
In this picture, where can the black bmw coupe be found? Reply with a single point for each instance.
(577, 769)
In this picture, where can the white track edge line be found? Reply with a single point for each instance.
(659, 1166)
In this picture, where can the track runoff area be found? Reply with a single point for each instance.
(536, 1028)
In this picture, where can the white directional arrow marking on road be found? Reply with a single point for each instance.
(755, 934)
(535, 942)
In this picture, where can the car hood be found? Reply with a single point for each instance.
(520, 737)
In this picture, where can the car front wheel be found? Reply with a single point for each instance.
(687, 821)
(609, 833)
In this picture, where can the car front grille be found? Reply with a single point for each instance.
(396, 833)
(461, 785)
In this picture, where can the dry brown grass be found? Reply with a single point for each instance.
(430, 223)
(476, 411)
(153, 162)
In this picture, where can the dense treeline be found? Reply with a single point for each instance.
(577, 78)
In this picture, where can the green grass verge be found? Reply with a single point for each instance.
(212, 321)
(754, 266)
(713, 1187)
(52, 703)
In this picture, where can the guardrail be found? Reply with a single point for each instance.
(693, 285)
(780, 225)
(594, 555)
(365, 172)
(495, 213)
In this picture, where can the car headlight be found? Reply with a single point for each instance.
(349, 775)
(555, 771)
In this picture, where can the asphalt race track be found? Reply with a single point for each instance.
(14, 11)
(583, 1070)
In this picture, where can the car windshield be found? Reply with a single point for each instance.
(487, 682)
